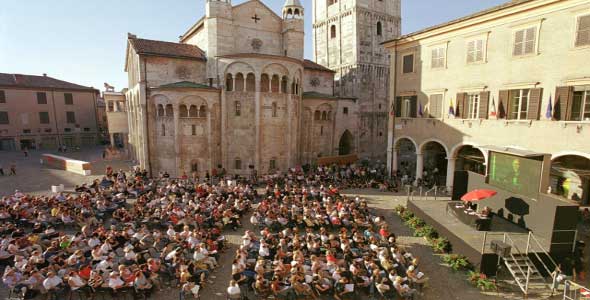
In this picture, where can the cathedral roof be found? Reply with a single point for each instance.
(310, 65)
(293, 3)
(33, 81)
(168, 49)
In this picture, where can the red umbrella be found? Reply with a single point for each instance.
(477, 195)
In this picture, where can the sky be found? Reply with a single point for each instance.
(84, 41)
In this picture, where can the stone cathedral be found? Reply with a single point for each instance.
(235, 92)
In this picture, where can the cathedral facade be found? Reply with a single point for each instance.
(236, 93)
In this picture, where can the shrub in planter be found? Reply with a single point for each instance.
(441, 245)
(415, 222)
(457, 262)
(400, 209)
(406, 215)
(426, 231)
(481, 281)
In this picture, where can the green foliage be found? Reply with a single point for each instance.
(426, 231)
(415, 223)
(441, 245)
(457, 262)
(400, 209)
(406, 215)
(481, 281)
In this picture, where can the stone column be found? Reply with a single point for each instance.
(257, 100)
(177, 137)
(393, 167)
(224, 114)
(450, 171)
(419, 165)
(289, 126)
(209, 137)
(112, 136)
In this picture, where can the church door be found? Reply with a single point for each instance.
(346, 143)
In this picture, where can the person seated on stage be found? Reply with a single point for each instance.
(470, 206)
(486, 212)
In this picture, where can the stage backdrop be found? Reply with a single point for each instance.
(544, 216)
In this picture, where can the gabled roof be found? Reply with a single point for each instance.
(167, 49)
(459, 20)
(310, 65)
(192, 30)
(186, 84)
(263, 5)
(45, 82)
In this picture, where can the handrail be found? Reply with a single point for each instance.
(528, 272)
(574, 291)
(435, 189)
(534, 239)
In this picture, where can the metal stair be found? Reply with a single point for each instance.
(525, 273)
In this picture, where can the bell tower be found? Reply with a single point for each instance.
(293, 29)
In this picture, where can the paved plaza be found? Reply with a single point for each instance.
(444, 284)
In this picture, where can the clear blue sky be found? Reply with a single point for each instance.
(84, 41)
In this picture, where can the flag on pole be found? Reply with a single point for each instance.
(420, 111)
(493, 113)
(392, 113)
(451, 109)
(549, 113)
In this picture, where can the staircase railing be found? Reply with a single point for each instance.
(574, 291)
(525, 287)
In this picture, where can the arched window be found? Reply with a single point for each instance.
(274, 109)
(333, 31)
(317, 115)
(163, 129)
(296, 13)
(229, 83)
(169, 110)
(379, 29)
(293, 87)
(203, 111)
(239, 84)
(274, 84)
(329, 115)
(284, 85)
(297, 87)
(324, 116)
(264, 83)
(250, 82)
(193, 111)
(289, 12)
(160, 110)
(182, 111)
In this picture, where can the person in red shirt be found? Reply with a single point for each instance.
(383, 232)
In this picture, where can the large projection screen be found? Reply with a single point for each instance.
(520, 175)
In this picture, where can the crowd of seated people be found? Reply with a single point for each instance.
(94, 241)
(312, 242)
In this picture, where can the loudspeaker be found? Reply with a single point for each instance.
(460, 184)
(500, 248)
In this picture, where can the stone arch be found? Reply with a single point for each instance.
(421, 148)
(239, 82)
(250, 82)
(284, 84)
(317, 115)
(274, 83)
(570, 153)
(264, 83)
(570, 176)
(324, 115)
(193, 111)
(183, 111)
(203, 111)
(346, 143)
(296, 13)
(169, 110)
(468, 157)
(239, 67)
(405, 137)
(229, 82)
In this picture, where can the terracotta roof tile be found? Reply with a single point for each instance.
(170, 49)
(33, 81)
(308, 64)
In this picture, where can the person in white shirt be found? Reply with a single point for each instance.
(233, 290)
(115, 281)
(52, 282)
(105, 265)
(75, 282)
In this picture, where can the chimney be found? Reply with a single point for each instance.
(44, 74)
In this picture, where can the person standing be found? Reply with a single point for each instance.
(1, 170)
(12, 169)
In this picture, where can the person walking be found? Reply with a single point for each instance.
(1, 170)
(12, 169)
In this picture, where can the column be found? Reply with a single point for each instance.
(209, 138)
(112, 135)
(177, 141)
(289, 126)
(450, 171)
(394, 161)
(419, 165)
(257, 163)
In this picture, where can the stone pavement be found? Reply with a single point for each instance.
(444, 283)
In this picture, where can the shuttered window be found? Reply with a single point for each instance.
(475, 51)
(41, 98)
(473, 106)
(69, 99)
(43, 117)
(438, 58)
(435, 106)
(583, 33)
(4, 117)
(71, 117)
(2, 97)
(525, 41)
(408, 63)
(519, 104)
(580, 106)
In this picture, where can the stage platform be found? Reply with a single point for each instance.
(466, 240)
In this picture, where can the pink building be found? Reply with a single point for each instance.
(40, 112)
